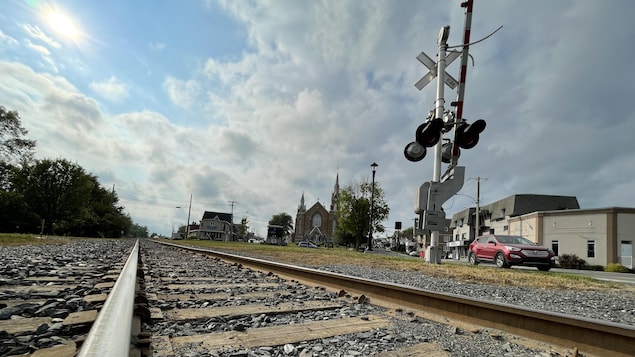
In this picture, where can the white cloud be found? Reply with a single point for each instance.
(157, 46)
(329, 86)
(113, 89)
(4, 38)
(38, 48)
(182, 93)
(36, 33)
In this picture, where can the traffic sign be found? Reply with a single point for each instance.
(434, 221)
(432, 65)
(431, 196)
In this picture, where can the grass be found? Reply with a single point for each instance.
(12, 239)
(474, 274)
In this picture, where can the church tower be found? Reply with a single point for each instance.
(300, 219)
(334, 198)
(336, 193)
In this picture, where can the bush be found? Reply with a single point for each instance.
(616, 268)
(571, 261)
(595, 267)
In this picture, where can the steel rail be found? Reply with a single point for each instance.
(596, 337)
(111, 332)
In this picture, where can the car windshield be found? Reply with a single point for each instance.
(514, 240)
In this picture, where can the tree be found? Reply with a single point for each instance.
(68, 200)
(57, 191)
(353, 213)
(14, 147)
(137, 231)
(243, 228)
(284, 220)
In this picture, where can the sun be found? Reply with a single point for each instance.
(62, 24)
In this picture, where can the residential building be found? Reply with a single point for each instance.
(214, 226)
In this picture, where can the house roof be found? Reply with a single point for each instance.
(227, 217)
(516, 205)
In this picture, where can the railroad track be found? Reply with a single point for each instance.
(217, 304)
(581, 335)
(49, 307)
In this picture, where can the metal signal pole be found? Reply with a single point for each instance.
(433, 255)
(468, 5)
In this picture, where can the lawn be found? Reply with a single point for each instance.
(11, 239)
(477, 274)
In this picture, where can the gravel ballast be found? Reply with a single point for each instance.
(406, 330)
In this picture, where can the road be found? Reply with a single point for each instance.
(625, 278)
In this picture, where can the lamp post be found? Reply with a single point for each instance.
(187, 224)
(372, 207)
(187, 227)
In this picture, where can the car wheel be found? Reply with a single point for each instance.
(544, 267)
(472, 259)
(500, 261)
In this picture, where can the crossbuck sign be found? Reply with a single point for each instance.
(432, 66)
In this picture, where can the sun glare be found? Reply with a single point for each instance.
(62, 24)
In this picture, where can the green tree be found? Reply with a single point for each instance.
(284, 220)
(353, 213)
(243, 228)
(57, 191)
(14, 147)
(137, 231)
(105, 218)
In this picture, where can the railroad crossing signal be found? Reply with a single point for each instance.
(432, 66)
(432, 195)
(428, 134)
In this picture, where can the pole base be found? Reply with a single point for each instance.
(433, 255)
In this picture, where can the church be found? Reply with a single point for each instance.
(317, 224)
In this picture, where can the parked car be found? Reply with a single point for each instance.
(506, 251)
(307, 245)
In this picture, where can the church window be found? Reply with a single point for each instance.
(316, 220)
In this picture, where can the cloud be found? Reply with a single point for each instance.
(36, 33)
(6, 39)
(38, 48)
(157, 46)
(113, 89)
(329, 88)
(182, 93)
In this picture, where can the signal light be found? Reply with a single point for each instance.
(467, 135)
(428, 134)
(414, 151)
(446, 152)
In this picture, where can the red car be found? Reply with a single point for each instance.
(505, 251)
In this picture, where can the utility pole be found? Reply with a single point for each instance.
(477, 229)
(187, 226)
(231, 228)
(477, 224)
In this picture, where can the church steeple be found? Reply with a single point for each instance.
(302, 207)
(336, 193)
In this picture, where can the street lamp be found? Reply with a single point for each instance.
(373, 166)
(187, 224)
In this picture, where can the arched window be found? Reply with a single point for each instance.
(316, 220)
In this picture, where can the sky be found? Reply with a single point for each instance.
(247, 105)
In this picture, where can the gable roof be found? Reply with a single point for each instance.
(317, 207)
(227, 217)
